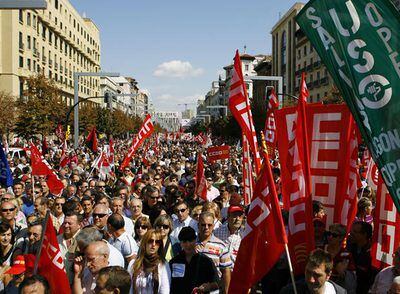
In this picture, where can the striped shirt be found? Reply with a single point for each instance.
(218, 252)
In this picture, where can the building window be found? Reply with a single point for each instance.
(311, 48)
(34, 21)
(56, 4)
(246, 67)
(29, 42)
(21, 62)
(283, 48)
(28, 18)
(29, 64)
(21, 16)
(43, 32)
(21, 88)
(21, 42)
(318, 97)
(50, 37)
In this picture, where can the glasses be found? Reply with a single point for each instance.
(143, 227)
(60, 204)
(154, 241)
(157, 179)
(206, 225)
(196, 214)
(7, 209)
(181, 210)
(101, 186)
(99, 215)
(165, 227)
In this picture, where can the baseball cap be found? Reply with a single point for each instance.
(235, 208)
(187, 234)
(18, 266)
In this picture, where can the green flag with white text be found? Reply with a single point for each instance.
(359, 42)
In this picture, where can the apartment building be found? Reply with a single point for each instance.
(284, 48)
(56, 42)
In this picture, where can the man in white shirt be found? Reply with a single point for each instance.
(183, 220)
(384, 278)
(117, 206)
(120, 239)
(96, 257)
(212, 192)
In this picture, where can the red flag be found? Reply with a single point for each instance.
(91, 140)
(264, 237)
(386, 236)
(240, 107)
(248, 179)
(51, 264)
(64, 160)
(145, 131)
(45, 147)
(40, 167)
(201, 184)
(60, 133)
(111, 152)
(270, 124)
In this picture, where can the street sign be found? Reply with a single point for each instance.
(23, 4)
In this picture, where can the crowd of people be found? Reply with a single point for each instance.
(144, 229)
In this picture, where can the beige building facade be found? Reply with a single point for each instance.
(56, 42)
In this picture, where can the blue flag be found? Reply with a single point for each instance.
(5, 172)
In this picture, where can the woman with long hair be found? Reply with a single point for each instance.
(142, 225)
(7, 242)
(164, 224)
(150, 273)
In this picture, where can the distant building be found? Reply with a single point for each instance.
(188, 114)
(169, 120)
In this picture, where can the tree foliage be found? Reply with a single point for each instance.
(40, 108)
(7, 113)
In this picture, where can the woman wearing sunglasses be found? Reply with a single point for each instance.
(150, 273)
(164, 224)
(343, 272)
(142, 225)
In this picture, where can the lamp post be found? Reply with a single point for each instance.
(77, 75)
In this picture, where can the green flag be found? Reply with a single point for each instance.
(359, 42)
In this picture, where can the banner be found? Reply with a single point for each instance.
(270, 125)
(264, 236)
(358, 43)
(386, 238)
(330, 134)
(201, 183)
(247, 168)
(145, 131)
(215, 153)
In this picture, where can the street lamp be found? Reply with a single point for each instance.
(77, 75)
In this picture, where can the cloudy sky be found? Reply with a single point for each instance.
(175, 49)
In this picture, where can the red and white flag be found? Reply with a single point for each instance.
(386, 238)
(239, 106)
(248, 179)
(40, 167)
(64, 160)
(264, 237)
(145, 131)
(201, 183)
(51, 264)
(111, 152)
(270, 124)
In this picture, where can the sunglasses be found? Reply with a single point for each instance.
(60, 204)
(196, 214)
(143, 227)
(157, 197)
(7, 209)
(333, 235)
(101, 186)
(181, 210)
(157, 179)
(165, 227)
(206, 225)
(99, 215)
(154, 241)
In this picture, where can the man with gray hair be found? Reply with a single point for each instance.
(395, 287)
(384, 279)
(91, 234)
(88, 266)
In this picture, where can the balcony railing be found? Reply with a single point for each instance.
(44, 59)
(56, 66)
(21, 46)
(50, 63)
(35, 52)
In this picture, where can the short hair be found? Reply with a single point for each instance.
(317, 206)
(79, 216)
(396, 280)
(88, 235)
(42, 200)
(33, 280)
(117, 278)
(366, 228)
(150, 190)
(180, 202)
(207, 214)
(86, 198)
(319, 257)
(116, 221)
(100, 247)
(232, 189)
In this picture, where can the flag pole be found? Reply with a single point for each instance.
(264, 145)
(290, 268)
(35, 268)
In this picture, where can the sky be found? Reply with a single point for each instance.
(176, 49)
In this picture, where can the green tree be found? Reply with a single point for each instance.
(7, 113)
(40, 107)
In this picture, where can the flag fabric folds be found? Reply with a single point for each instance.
(264, 237)
(145, 131)
(201, 183)
(239, 106)
(248, 179)
(51, 264)
(91, 140)
(40, 167)
(5, 171)
(270, 124)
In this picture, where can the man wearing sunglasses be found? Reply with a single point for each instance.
(100, 216)
(8, 215)
(183, 220)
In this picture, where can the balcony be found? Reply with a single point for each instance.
(61, 69)
(21, 47)
(325, 81)
(44, 59)
(35, 52)
(317, 64)
(56, 66)
(50, 63)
